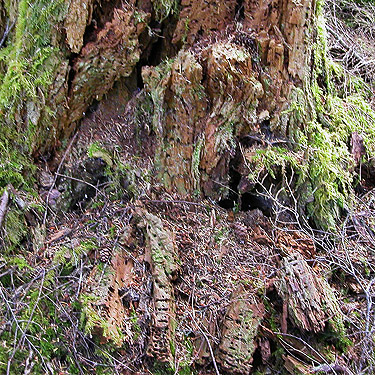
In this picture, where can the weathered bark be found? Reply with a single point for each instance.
(311, 302)
(161, 253)
(211, 98)
(113, 53)
(240, 328)
(102, 304)
(224, 95)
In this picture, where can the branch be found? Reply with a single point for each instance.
(8, 29)
(208, 344)
(4, 205)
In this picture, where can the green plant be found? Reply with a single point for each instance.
(321, 122)
(164, 8)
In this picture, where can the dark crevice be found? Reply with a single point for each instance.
(257, 358)
(156, 42)
(231, 200)
(152, 52)
(72, 60)
(245, 198)
(156, 52)
(92, 107)
(239, 11)
(138, 69)
(253, 200)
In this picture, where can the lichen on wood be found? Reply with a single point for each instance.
(189, 106)
(202, 18)
(161, 253)
(78, 17)
(103, 312)
(240, 329)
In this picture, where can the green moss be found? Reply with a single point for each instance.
(20, 262)
(321, 119)
(95, 150)
(69, 257)
(15, 228)
(336, 337)
(30, 60)
(40, 318)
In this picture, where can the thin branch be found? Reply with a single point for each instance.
(4, 205)
(173, 201)
(8, 29)
(208, 344)
(82, 181)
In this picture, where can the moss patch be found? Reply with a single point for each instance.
(30, 60)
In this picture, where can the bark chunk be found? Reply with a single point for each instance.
(310, 299)
(240, 329)
(161, 253)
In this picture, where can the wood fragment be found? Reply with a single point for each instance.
(240, 329)
(59, 235)
(331, 369)
(284, 318)
(357, 147)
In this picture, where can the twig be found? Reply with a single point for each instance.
(208, 343)
(18, 328)
(329, 368)
(4, 205)
(82, 181)
(29, 363)
(173, 201)
(8, 29)
(27, 326)
(304, 343)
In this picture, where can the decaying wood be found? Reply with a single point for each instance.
(240, 328)
(161, 253)
(294, 366)
(357, 147)
(311, 301)
(102, 302)
(332, 369)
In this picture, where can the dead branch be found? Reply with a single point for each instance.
(4, 205)
(329, 368)
(8, 29)
(173, 201)
(208, 344)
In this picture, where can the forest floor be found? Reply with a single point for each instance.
(226, 263)
(122, 277)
